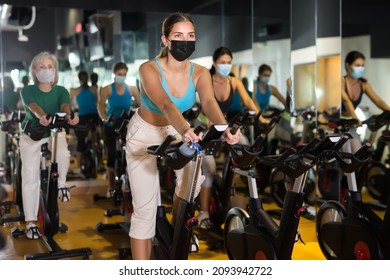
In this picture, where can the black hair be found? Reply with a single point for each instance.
(263, 68)
(351, 57)
(119, 66)
(94, 78)
(217, 54)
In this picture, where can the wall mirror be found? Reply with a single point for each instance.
(271, 43)
(303, 53)
(328, 44)
(372, 38)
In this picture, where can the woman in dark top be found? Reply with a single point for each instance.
(352, 90)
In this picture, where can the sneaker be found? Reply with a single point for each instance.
(32, 231)
(64, 194)
(194, 247)
(204, 221)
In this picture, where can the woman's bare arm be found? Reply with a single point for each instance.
(106, 92)
(135, 93)
(278, 95)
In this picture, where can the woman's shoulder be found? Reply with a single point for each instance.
(364, 84)
(149, 67)
(148, 64)
(107, 89)
(200, 69)
(272, 88)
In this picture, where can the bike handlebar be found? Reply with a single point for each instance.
(10, 125)
(244, 155)
(295, 162)
(351, 162)
(181, 153)
(375, 122)
(58, 121)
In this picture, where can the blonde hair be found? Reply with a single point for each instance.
(167, 26)
(38, 59)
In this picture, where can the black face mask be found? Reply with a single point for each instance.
(181, 50)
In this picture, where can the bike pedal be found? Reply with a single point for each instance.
(192, 222)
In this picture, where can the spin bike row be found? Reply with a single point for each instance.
(251, 234)
(254, 234)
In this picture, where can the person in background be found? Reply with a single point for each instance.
(25, 81)
(42, 99)
(115, 99)
(228, 91)
(226, 85)
(353, 87)
(86, 99)
(168, 86)
(262, 90)
(94, 78)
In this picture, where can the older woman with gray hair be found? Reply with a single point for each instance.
(42, 99)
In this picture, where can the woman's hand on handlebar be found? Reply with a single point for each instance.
(232, 138)
(45, 120)
(189, 135)
(74, 120)
(264, 120)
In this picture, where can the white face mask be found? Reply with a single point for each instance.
(357, 72)
(120, 79)
(45, 76)
(223, 69)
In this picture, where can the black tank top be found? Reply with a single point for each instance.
(225, 105)
(354, 102)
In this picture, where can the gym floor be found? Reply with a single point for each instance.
(81, 214)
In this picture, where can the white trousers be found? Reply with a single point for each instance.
(30, 155)
(144, 176)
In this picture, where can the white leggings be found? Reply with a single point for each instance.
(30, 155)
(144, 176)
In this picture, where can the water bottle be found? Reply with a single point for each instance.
(187, 150)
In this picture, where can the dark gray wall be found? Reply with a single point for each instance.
(303, 24)
(42, 36)
(328, 18)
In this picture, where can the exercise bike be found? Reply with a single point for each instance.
(223, 186)
(13, 170)
(255, 234)
(48, 205)
(377, 169)
(352, 230)
(278, 181)
(120, 126)
(122, 194)
(173, 242)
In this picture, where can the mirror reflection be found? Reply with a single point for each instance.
(368, 37)
(303, 53)
(271, 49)
(328, 43)
(290, 54)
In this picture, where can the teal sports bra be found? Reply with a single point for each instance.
(183, 103)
